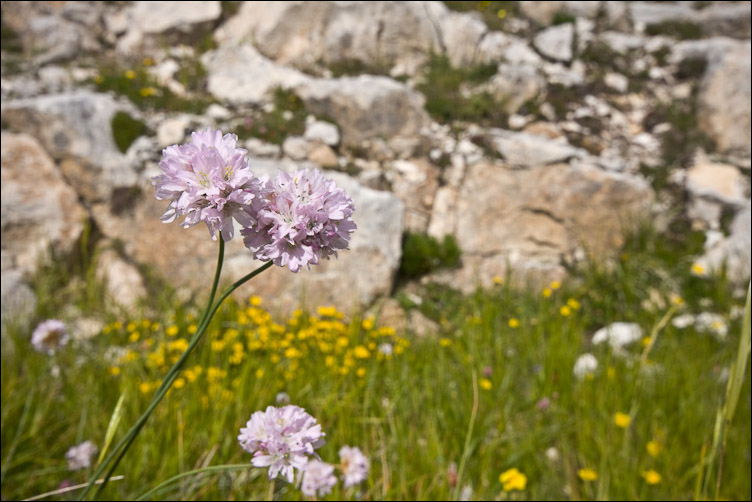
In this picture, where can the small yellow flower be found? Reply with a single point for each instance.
(547, 292)
(134, 337)
(361, 372)
(698, 269)
(501, 14)
(653, 447)
(514, 323)
(611, 372)
(255, 300)
(445, 342)
(622, 419)
(676, 300)
(192, 329)
(130, 74)
(327, 311)
(131, 327)
(587, 474)
(651, 477)
(555, 285)
(513, 479)
(144, 387)
(573, 304)
(367, 323)
(361, 352)
(485, 384)
(565, 310)
(114, 370)
(646, 341)
(179, 383)
(147, 61)
(259, 373)
(498, 280)
(172, 330)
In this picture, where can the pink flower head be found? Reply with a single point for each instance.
(79, 456)
(301, 217)
(318, 479)
(281, 439)
(49, 336)
(354, 465)
(207, 180)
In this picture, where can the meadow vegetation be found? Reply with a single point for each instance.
(440, 416)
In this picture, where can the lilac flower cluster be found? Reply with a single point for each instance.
(207, 180)
(281, 439)
(49, 336)
(301, 217)
(79, 456)
(284, 438)
(294, 220)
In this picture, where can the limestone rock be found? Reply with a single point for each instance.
(521, 149)
(158, 16)
(242, 75)
(556, 42)
(326, 132)
(122, 279)
(461, 33)
(366, 106)
(37, 217)
(415, 182)
(732, 251)
(76, 127)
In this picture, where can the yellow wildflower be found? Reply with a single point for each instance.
(292, 353)
(144, 387)
(259, 373)
(646, 341)
(361, 372)
(565, 310)
(255, 300)
(485, 384)
(573, 304)
(134, 337)
(192, 329)
(587, 474)
(368, 323)
(445, 342)
(131, 327)
(172, 330)
(114, 370)
(555, 285)
(513, 479)
(653, 447)
(179, 383)
(361, 352)
(327, 311)
(651, 477)
(147, 91)
(547, 292)
(514, 323)
(130, 74)
(698, 269)
(147, 61)
(498, 280)
(98, 79)
(676, 300)
(611, 372)
(622, 419)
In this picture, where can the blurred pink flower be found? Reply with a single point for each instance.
(354, 465)
(49, 336)
(318, 479)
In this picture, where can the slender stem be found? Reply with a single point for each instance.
(270, 493)
(172, 375)
(127, 440)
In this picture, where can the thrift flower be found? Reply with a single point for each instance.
(49, 336)
(354, 465)
(618, 335)
(79, 456)
(512, 479)
(622, 419)
(318, 479)
(651, 477)
(587, 474)
(281, 439)
(586, 364)
(300, 218)
(207, 180)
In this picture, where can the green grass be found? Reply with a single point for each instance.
(287, 118)
(445, 100)
(410, 413)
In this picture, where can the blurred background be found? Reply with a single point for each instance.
(487, 146)
(520, 136)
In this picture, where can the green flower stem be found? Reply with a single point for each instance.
(127, 440)
(125, 443)
(173, 373)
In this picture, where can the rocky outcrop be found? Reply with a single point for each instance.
(76, 129)
(366, 107)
